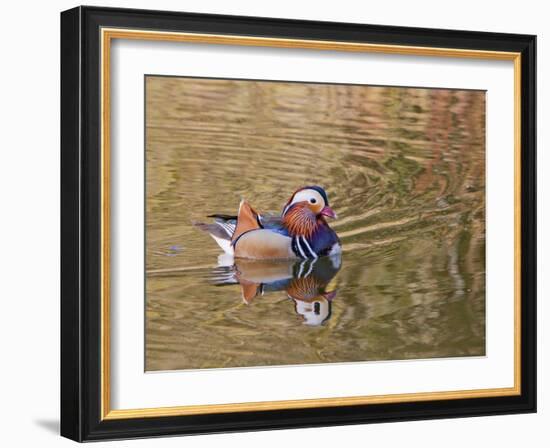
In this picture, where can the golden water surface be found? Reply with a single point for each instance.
(404, 169)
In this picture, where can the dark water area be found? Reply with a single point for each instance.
(404, 169)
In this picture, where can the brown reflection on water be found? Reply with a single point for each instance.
(405, 171)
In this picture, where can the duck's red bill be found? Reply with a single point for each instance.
(327, 211)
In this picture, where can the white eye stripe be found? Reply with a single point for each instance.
(307, 196)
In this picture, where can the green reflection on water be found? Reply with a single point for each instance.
(405, 171)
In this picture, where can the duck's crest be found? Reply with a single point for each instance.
(317, 188)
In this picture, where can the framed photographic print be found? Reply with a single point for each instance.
(272, 223)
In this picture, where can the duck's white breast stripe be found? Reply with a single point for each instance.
(313, 254)
(299, 247)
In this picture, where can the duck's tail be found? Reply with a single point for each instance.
(226, 229)
(221, 230)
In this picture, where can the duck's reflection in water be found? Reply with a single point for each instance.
(308, 283)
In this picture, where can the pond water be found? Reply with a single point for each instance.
(404, 169)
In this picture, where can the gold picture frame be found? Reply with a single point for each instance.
(118, 25)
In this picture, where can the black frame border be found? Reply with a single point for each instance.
(81, 223)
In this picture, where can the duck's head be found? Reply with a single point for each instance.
(311, 198)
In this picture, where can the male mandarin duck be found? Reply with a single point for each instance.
(301, 231)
